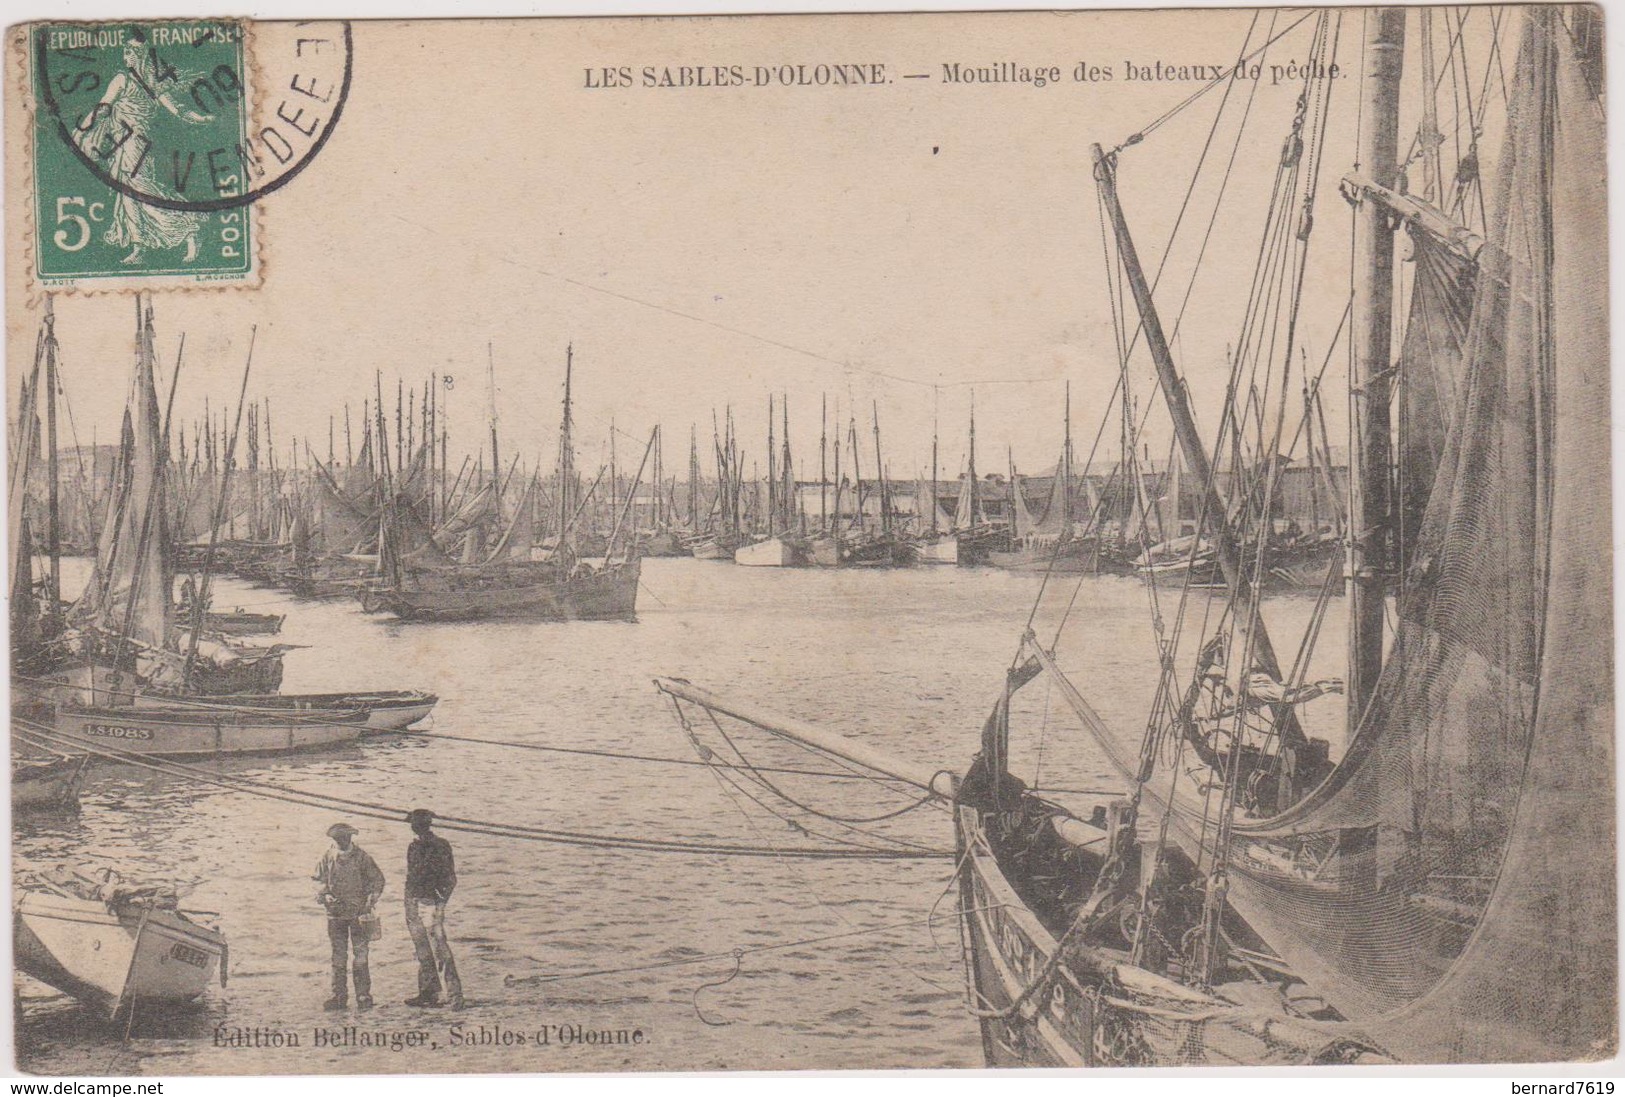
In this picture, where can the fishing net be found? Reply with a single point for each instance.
(1457, 866)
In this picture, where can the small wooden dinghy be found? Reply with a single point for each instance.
(112, 945)
(241, 623)
(189, 729)
(46, 784)
(386, 709)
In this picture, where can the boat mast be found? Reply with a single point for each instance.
(880, 471)
(1371, 328)
(786, 470)
(693, 478)
(772, 473)
(835, 526)
(54, 530)
(972, 463)
(1066, 468)
(1189, 438)
(566, 461)
(823, 466)
(933, 463)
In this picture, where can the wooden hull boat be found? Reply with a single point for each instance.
(1074, 557)
(942, 550)
(114, 956)
(713, 548)
(874, 552)
(192, 730)
(606, 594)
(238, 623)
(775, 552)
(386, 710)
(47, 785)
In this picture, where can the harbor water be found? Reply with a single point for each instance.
(840, 963)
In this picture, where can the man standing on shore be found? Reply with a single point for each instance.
(351, 884)
(431, 875)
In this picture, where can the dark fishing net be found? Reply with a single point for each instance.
(1450, 887)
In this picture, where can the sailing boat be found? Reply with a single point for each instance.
(1444, 890)
(420, 582)
(781, 545)
(1051, 543)
(134, 668)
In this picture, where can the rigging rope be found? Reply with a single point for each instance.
(600, 840)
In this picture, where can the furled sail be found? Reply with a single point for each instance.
(1021, 519)
(1057, 520)
(520, 536)
(967, 510)
(1449, 887)
(130, 584)
(1430, 367)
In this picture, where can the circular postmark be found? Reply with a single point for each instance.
(165, 112)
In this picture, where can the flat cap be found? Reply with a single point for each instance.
(338, 830)
(420, 815)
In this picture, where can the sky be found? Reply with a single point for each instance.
(895, 248)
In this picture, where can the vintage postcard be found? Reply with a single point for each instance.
(1048, 539)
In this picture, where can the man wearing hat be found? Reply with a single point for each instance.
(431, 875)
(351, 884)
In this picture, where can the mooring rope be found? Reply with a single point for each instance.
(593, 839)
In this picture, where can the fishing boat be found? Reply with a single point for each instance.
(1051, 543)
(116, 947)
(422, 583)
(125, 621)
(770, 552)
(779, 542)
(1442, 888)
(935, 539)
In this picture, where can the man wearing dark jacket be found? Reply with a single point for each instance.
(351, 883)
(431, 874)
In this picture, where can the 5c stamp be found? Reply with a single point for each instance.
(151, 144)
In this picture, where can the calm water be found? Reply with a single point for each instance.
(909, 659)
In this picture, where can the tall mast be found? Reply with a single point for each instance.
(491, 400)
(693, 478)
(1190, 439)
(823, 469)
(786, 471)
(880, 474)
(54, 530)
(933, 462)
(400, 425)
(1066, 466)
(566, 461)
(975, 504)
(1371, 331)
(835, 526)
(772, 473)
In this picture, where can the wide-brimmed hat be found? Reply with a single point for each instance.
(420, 815)
(339, 830)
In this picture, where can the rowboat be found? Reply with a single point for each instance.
(50, 784)
(239, 623)
(386, 710)
(590, 594)
(114, 947)
(189, 729)
(772, 552)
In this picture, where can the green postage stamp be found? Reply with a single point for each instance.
(142, 166)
